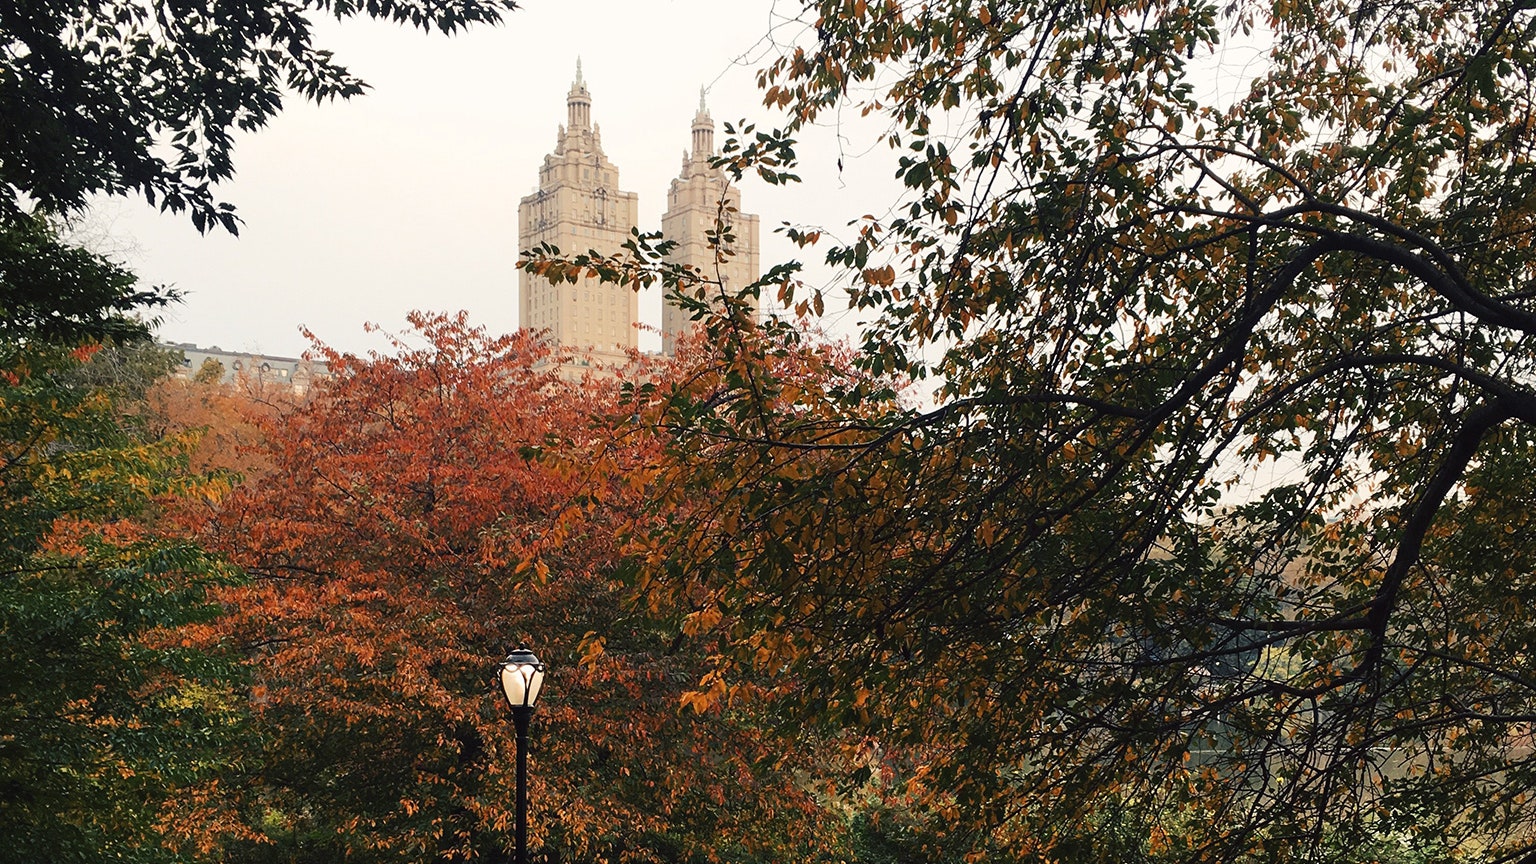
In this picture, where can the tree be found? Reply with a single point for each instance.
(428, 511)
(1219, 517)
(51, 291)
(229, 421)
(111, 730)
(144, 96)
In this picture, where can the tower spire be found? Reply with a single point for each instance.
(578, 103)
(703, 131)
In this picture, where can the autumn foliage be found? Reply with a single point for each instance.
(1215, 527)
(111, 728)
(430, 510)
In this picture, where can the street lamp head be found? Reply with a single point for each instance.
(522, 677)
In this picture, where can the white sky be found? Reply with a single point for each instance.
(406, 198)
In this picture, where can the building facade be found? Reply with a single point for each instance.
(263, 370)
(700, 203)
(579, 206)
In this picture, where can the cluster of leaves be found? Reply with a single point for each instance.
(54, 292)
(431, 509)
(110, 729)
(1220, 515)
(145, 96)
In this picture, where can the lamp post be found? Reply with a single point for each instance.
(522, 677)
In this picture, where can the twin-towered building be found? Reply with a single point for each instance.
(579, 206)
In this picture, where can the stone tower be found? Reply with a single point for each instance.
(578, 207)
(697, 200)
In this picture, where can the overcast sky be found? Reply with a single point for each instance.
(406, 198)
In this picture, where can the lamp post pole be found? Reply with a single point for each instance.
(520, 716)
(521, 676)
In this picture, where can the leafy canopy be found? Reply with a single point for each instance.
(427, 511)
(54, 292)
(146, 96)
(112, 730)
(1217, 524)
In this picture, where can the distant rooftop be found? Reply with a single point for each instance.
(248, 365)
